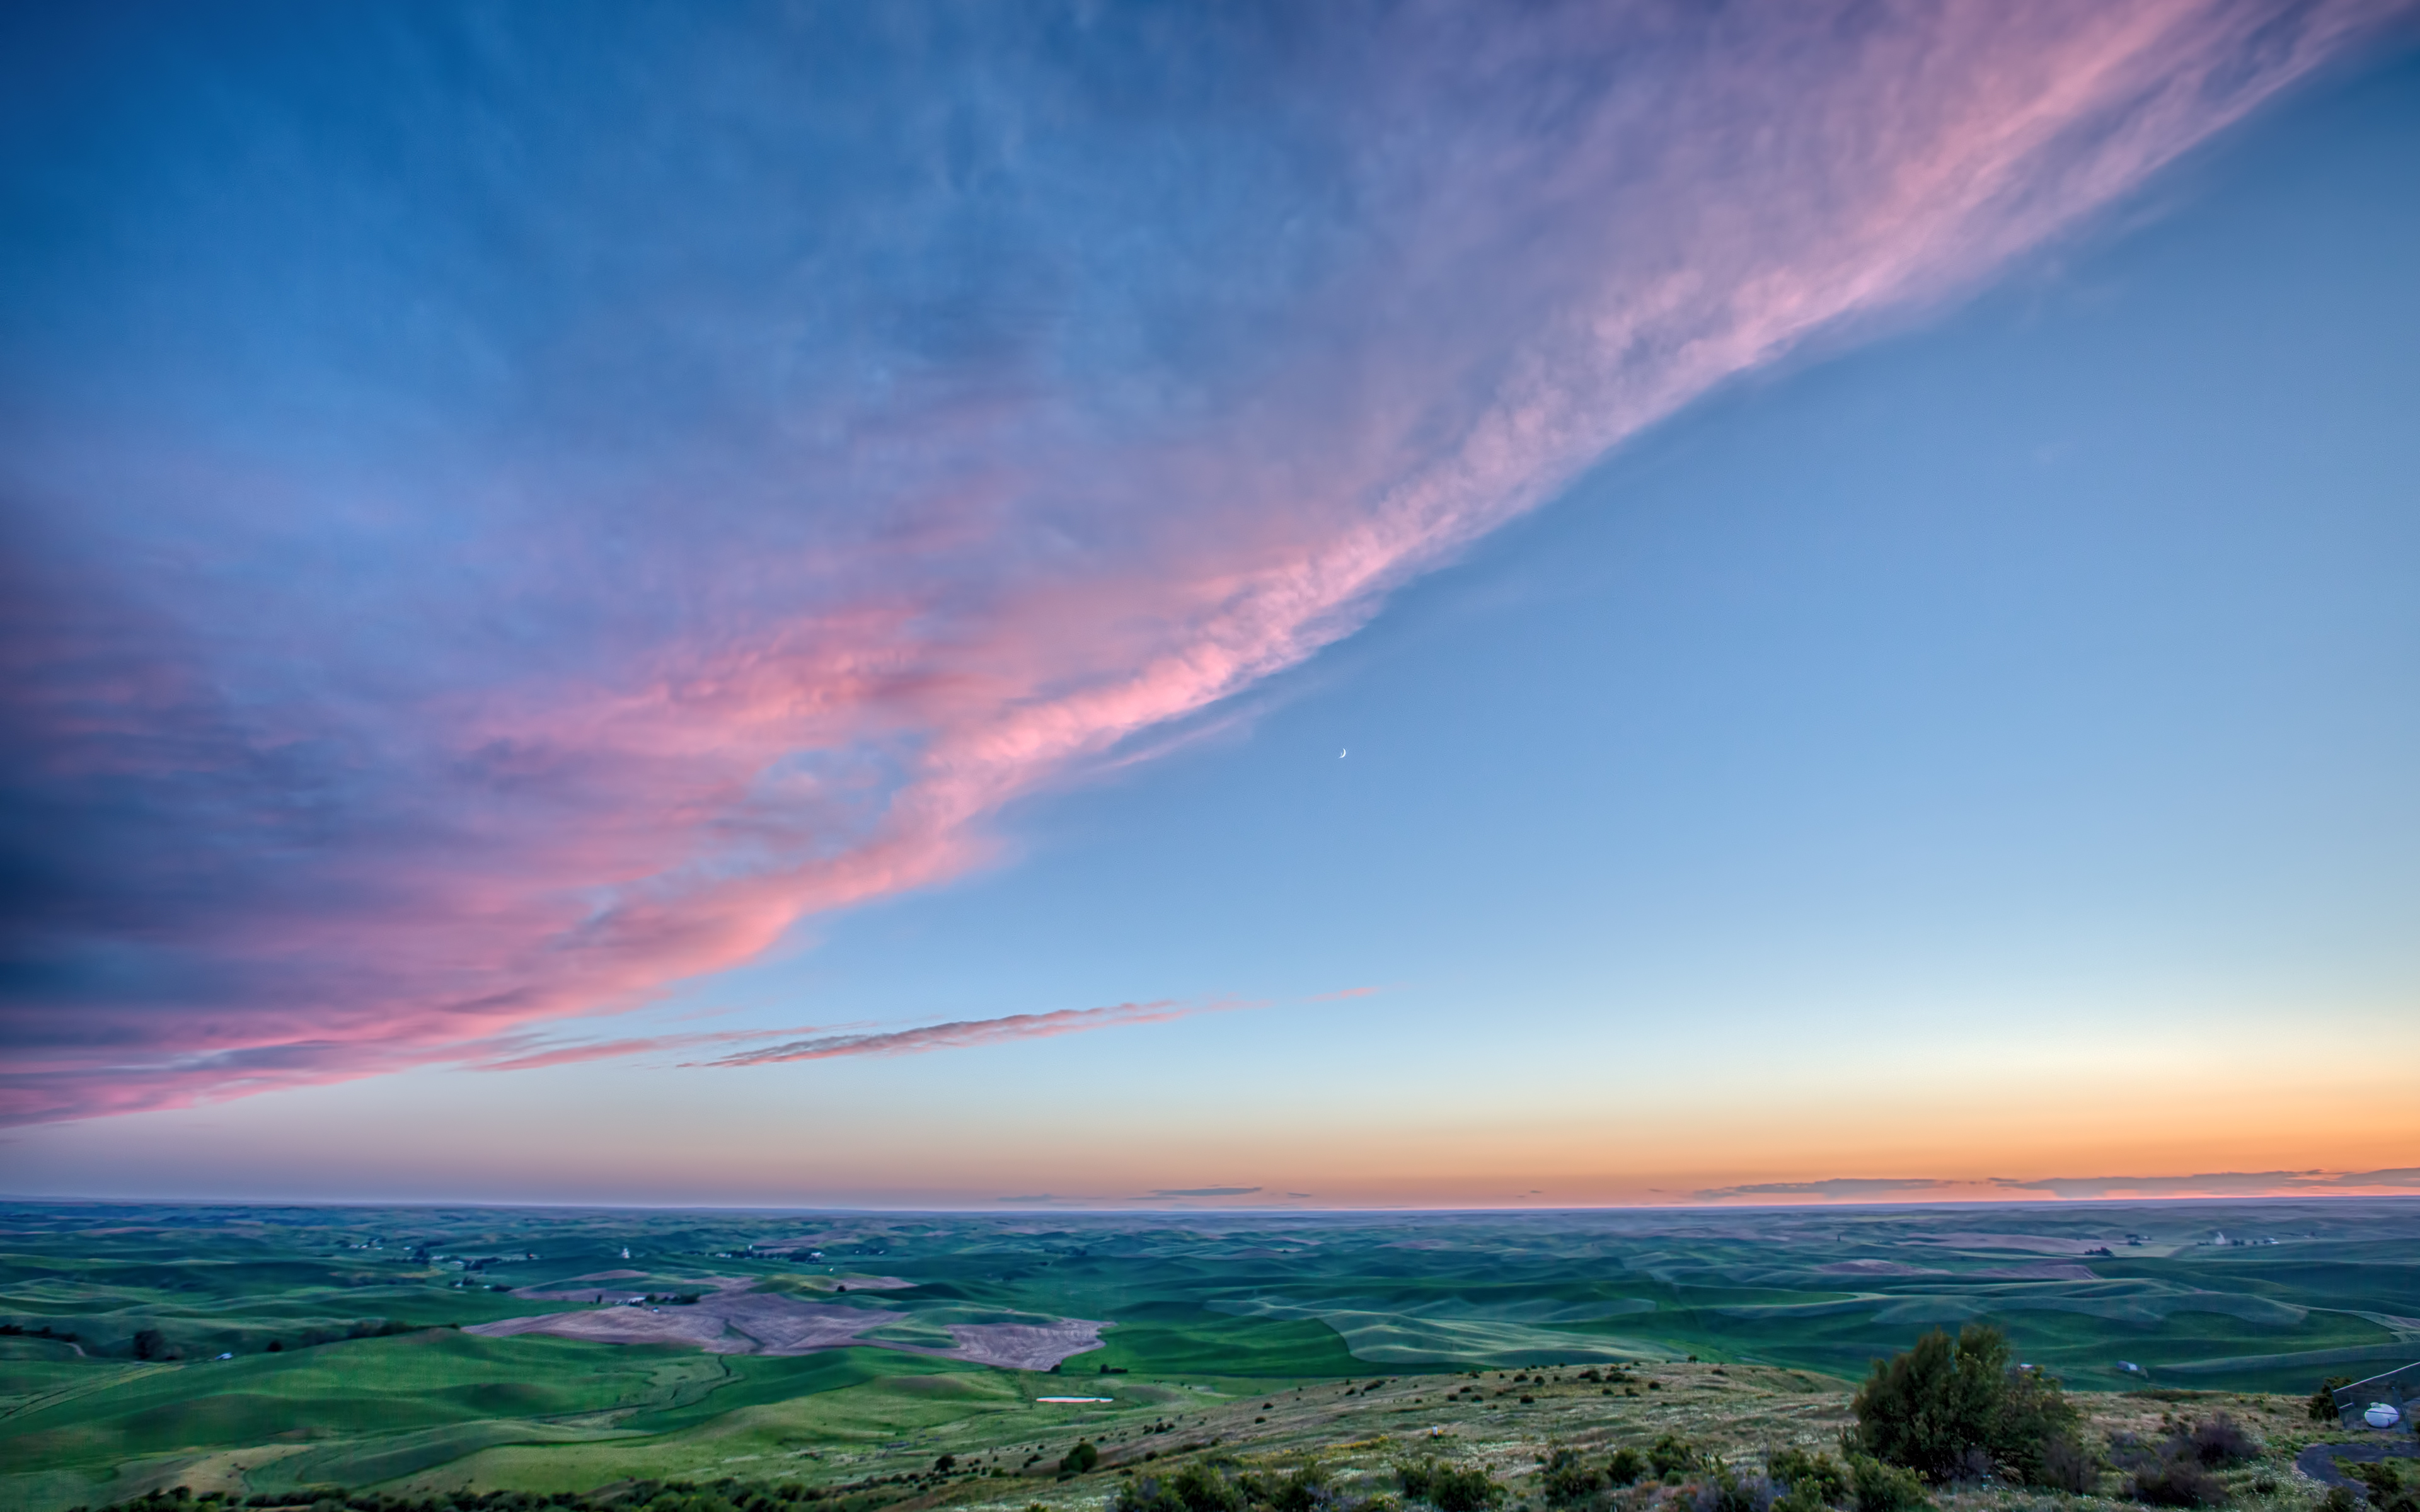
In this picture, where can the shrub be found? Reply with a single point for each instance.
(1567, 1482)
(1626, 1467)
(1463, 1488)
(2220, 1441)
(1306, 1489)
(1809, 1479)
(1079, 1460)
(2323, 1401)
(1672, 1454)
(1725, 1490)
(1883, 1487)
(2067, 1466)
(2174, 1480)
(1450, 1488)
(2388, 1491)
(1197, 1487)
(1953, 1410)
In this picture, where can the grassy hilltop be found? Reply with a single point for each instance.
(1257, 1335)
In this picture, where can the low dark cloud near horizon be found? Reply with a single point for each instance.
(2085, 1188)
(1838, 1186)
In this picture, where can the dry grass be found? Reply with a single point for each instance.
(1742, 1413)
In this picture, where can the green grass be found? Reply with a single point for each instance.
(439, 1377)
(1208, 1344)
(1212, 1314)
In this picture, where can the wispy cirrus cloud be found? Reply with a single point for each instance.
(536, 1051)
(743, 515)
(966, 1033)
(540, 1057)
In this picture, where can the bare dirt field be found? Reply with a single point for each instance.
(1022, 1346)
(698, 1327)
(738, 1320)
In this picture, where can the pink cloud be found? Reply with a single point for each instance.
(795, 719)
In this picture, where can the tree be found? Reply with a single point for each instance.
(1954, 1409)
(2323, 1401)
(150, 1344)
(1079, 1460)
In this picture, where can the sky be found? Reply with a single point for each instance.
(1158, 605)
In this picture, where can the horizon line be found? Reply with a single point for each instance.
(1108, 1210)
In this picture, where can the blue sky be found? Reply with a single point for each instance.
(1961, 727)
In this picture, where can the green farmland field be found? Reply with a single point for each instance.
(345, 1360)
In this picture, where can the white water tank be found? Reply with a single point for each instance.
(2382, 1416)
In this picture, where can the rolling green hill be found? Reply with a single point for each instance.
(345, 1363)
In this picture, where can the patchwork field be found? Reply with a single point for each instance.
(441, 1349)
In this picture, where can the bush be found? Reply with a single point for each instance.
(1626, 1467)
(1197, 1487)
(1883, 1487)
(1306, 1489)
(2067, 1466)
(2220, 1441)
(1463, 1488)
(1079, 1460)
(1725, 1490)
(2323, 1401)
(2175, 1480)
(1808, 1480)
(1567, 1482)
(1672, 1455)
(2388, 1489)
(1450, 1488)
(1952, 1410)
